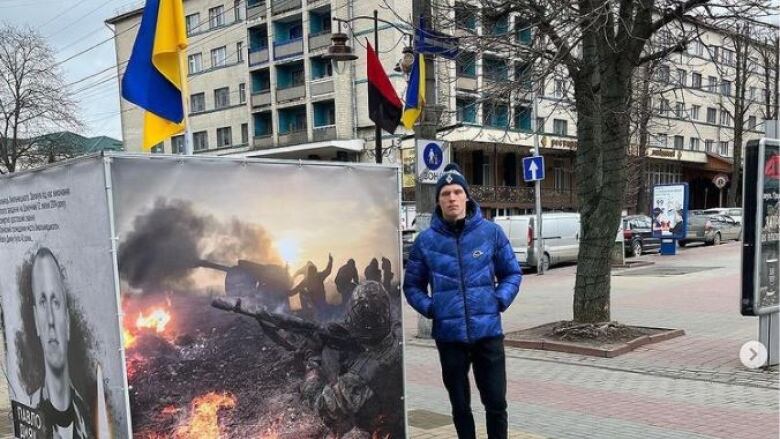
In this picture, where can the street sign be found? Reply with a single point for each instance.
(432, 157)
(761, 228)
(533, 168)
(720, 180)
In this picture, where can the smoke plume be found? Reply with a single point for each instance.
(168, 241)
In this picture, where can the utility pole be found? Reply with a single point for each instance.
(424, 194)
(539, 242)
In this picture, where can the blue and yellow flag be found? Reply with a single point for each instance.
(153, 79)
(415, 93)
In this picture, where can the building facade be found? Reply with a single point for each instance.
(489, 118)
(257, 82)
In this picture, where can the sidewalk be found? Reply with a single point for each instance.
(689, 387)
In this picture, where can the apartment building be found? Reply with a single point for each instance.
(489, 101)
(258, 85)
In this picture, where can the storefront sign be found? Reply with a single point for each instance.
(677, 154)
(570, 145)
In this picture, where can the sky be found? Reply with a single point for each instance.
(73, 26)
(70, 27)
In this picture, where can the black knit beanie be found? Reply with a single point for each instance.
(452, 175)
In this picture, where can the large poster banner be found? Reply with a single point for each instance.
(260, 299)
(59, 303)
(670, 211)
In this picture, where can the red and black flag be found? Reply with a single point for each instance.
(384, 107)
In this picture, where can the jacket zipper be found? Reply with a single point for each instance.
(463, 290)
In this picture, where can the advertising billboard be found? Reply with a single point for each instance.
(670, 210)
(761, 228)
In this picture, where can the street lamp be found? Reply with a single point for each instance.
(339, 54)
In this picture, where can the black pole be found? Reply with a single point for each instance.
(377, 129)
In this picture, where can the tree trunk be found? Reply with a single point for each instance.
(642, 201)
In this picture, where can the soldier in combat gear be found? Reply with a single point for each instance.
(353, 366)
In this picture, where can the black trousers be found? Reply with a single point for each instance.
(487, 357)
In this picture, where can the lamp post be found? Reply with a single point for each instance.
(339, 54)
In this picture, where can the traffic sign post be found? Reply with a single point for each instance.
(432, 157)
(533, 168)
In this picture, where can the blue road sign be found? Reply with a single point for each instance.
(433, 156)
(533, 168)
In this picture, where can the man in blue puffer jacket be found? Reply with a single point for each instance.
(474, 276)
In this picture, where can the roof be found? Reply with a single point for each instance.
(124, 16)
(79, 144)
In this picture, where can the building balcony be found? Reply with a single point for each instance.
(258, 56)
(277, 7)
(261, 98)
(256, 11)
(322, 86)
(551, 199)
(466, 83)
(293, 137)
(319, 40)
(290, 93)
(263, 141)
(289, 48)
(324, 133)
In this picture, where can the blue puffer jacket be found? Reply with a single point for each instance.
(462, 269)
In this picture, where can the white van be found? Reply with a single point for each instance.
(561, 237)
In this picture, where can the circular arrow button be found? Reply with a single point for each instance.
(753, 354)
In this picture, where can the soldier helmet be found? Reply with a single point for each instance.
(368, 313)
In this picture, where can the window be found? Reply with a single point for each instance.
(725, 118)
(197, 102)
(218, 57)
(216, 17)
(244, 133)
(712, 115)
(465, 65)
(715, 52)
(728, 57)
(222, 97)
(560, 89)
(694, 145)
(712, 83)
(158, 149)
(177, 144)
(682, 77)
(200, 141)
(523, 118)
(664, 108)
(751, 122)
(298, 77)
(242, 93)
(695, 112)
(660, 140)
(540, 124)
(224, 137)
(237, 9)
(724, 148)
(725, 88)
(560, 127)
(466, 110)
(296, 31)
(679, 142)
(195, 63)
(192, 21)
(752, 93)
(663, 74)
(240, 51)
(709, 145)
(679, 110)
(696, 80)
(696, 48)
(562, 178)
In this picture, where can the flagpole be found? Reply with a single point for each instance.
(185, 102)
(377, 129)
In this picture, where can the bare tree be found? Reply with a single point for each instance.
(596, 48)
(34, 101)
(768, 55)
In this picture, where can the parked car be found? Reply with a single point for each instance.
(407, 240)
(711, 230)
(638, 235)
(734, 212)
(561, 233)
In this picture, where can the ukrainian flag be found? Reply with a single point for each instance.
(153, 79)
(415, 93)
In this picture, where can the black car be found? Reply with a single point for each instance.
(638, 235)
